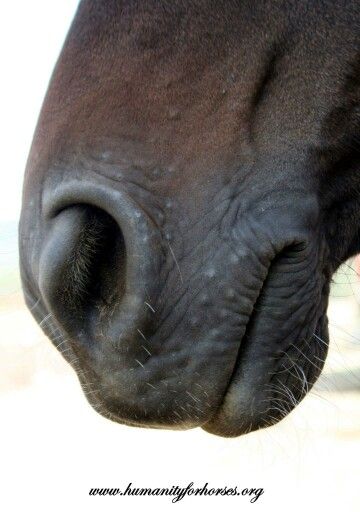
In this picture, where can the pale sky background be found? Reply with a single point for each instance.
(31, 36)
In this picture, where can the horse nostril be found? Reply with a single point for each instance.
(83, 265)
(94, 273)
(99, 264)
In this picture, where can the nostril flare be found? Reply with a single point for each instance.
(83, 266)
(100, 263)
(97, 264)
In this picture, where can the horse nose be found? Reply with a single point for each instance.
(99, 263)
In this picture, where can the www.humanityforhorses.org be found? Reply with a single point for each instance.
(177, 493)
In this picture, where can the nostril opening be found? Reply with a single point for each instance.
(95, 274)
(83, 267)
(98, 265)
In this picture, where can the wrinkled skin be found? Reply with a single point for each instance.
(192, 186)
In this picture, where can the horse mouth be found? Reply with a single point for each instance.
(265, 382)
(274, 370)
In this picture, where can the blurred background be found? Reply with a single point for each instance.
(54, 447)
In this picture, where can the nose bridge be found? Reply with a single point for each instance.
(119, 222)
